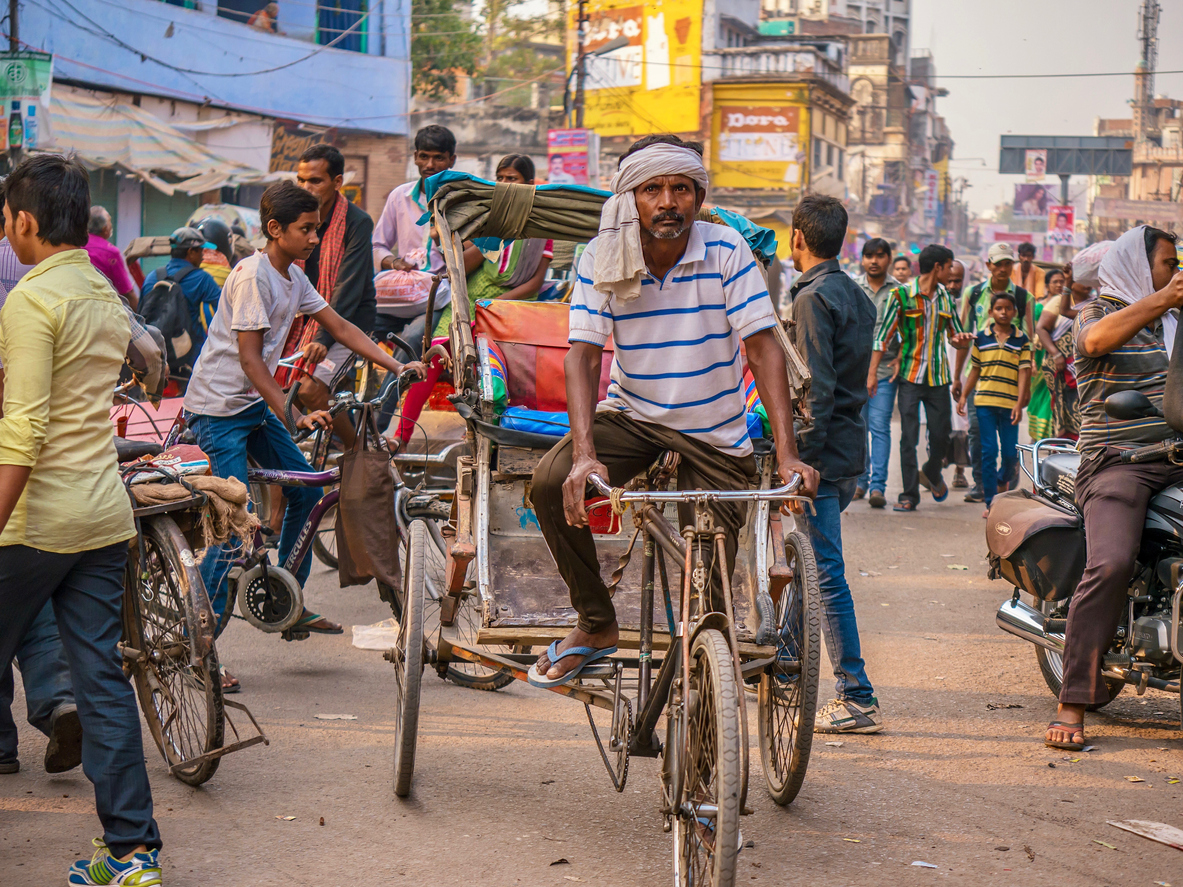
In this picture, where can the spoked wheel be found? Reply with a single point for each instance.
(407, 657)
(182, 703)
(706, 824)
(324, 542)
(468, 618)
(788, 689)
(1052, 664)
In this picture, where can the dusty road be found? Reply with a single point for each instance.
(508, 784)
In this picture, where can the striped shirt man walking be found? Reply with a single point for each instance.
(923, 313)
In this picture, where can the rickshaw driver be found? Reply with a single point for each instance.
(677, 296)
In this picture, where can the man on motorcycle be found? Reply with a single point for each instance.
(677, 297)
(1123, 341)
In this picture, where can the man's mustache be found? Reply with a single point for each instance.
(668, 216)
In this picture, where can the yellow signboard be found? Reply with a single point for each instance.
(650, 85)
(760, 136)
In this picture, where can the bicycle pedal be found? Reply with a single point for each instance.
(290, 635)
(598, 670)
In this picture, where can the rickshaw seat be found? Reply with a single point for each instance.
(532, 336)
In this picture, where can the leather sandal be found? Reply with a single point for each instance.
(1076, 729)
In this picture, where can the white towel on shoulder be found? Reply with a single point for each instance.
(619, 262)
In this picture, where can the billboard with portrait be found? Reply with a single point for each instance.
(1036, 164)
(572, 157)
(1032, 201)
(1061, 229)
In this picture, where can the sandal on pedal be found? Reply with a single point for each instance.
(589, 654)
(1072, 729)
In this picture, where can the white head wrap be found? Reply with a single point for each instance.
(1125, 275)
(619, 261)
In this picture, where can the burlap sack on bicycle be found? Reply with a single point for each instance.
(367, 532)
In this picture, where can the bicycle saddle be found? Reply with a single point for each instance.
(131, 450)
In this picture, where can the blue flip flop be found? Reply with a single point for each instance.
(589, 654)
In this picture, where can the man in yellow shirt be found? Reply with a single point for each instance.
(65, 518)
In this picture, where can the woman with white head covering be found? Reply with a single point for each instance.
(1119, 347)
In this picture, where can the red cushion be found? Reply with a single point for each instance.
(533, 338)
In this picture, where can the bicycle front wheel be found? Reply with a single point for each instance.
(181, 701)
(706, 822)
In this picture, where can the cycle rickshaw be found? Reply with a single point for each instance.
(675, 689)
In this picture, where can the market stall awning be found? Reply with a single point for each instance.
(110, 133)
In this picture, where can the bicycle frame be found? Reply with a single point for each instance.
(660, 539)
(319, 510)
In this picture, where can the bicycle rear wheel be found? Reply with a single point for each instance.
(324, 541)
(788, 688)
(468, 617)
(706, 823)
(182, 702)
(407, 657)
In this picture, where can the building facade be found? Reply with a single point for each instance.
(249, 90)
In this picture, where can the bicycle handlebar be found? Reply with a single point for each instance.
(788, 491)
(346, 400)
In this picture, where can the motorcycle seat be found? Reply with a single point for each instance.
(131, 450)
(1059, 465)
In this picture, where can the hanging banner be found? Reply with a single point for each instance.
(26, 83)
(572, 157)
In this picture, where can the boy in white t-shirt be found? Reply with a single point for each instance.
(233, 402)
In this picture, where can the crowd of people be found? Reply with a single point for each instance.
(899, 336)
(975, 357)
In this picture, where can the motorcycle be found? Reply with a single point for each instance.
(1036, 542)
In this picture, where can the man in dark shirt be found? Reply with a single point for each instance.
(351, 294)
(834, 325)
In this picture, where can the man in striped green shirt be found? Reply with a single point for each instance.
(922, 312)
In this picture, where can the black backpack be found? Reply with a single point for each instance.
(166, 308)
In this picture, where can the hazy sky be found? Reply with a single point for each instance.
(1035, 37)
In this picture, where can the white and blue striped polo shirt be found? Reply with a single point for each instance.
(677, 361)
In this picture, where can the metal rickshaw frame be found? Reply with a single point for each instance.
(511, 579)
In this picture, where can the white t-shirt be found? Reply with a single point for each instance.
(254, 297)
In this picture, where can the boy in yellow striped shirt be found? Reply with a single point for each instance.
(1001, 372)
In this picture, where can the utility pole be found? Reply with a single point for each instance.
(14, 42)
(580, 62)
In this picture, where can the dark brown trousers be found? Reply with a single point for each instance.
(1113, 498)
(627, 447)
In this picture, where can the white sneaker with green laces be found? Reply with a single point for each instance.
(845, 716)
(142, 870)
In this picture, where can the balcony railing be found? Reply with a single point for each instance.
(1148, 153)
(760, 61)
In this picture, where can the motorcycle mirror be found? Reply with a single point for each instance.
(1128, 405)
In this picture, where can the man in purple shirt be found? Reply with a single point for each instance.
(107, 258)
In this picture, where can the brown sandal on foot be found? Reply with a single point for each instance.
(1076, 729)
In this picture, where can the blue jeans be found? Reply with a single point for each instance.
(87, 593)
(995, 430)
(877, 416)
(842, 640)
(46, 676)
(228, 440)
